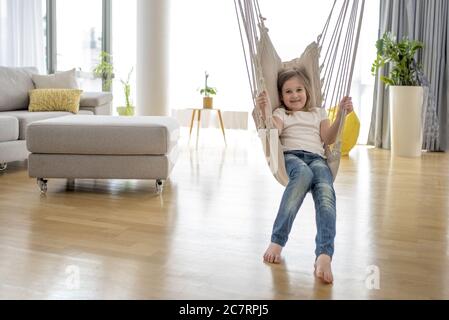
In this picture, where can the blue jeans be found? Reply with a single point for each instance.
(307, 171)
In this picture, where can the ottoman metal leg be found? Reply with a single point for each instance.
(70, 185)
(3, 166)
(42, 183)
(159, 186)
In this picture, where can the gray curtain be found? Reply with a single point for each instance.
(426, 21)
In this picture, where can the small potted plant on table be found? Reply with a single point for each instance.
(207, 93)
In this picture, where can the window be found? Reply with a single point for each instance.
(79, 38)
(204, 36)
(44, 23)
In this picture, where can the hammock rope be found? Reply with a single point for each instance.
(334, 72)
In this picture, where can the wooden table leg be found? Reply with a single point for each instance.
(199, 124)
(191, 122)
(221, 124)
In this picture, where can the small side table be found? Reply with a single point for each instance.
(198, 110)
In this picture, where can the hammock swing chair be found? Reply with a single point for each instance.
(330, 78)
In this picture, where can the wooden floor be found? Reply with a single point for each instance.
(204, 237)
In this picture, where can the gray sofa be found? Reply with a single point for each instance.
(15, 83)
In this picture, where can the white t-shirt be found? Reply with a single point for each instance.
(301, 130)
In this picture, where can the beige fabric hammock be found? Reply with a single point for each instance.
(330, 74)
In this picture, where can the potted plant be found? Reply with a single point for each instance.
(105, 70)
(405, 92)
(207, 93)
(128, 109)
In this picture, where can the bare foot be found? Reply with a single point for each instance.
(323, 268)
(273, 253)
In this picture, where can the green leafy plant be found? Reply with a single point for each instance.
(400, 55)
(127, 89)
(207, 91)
(105, 70)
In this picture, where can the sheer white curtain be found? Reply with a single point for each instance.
(22, 34)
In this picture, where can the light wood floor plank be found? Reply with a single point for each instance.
(204, 237)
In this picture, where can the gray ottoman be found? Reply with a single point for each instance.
(102, 147)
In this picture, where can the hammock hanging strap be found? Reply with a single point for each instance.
(336, 70)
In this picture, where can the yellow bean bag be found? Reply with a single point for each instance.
(350, 132)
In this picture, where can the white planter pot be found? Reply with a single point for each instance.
(405, 120)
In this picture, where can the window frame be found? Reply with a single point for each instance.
(106, 42)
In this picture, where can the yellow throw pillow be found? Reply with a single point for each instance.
(55, 100)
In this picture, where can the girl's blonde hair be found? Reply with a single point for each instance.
(285, 75)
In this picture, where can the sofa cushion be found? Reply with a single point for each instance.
(103, 135)
(13, 151)
(103, 109)
(94, 99)
(25, 118)
(9, 129)
(14, 86)
(55, 100)
(59, 80)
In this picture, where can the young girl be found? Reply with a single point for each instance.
(304, 129)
